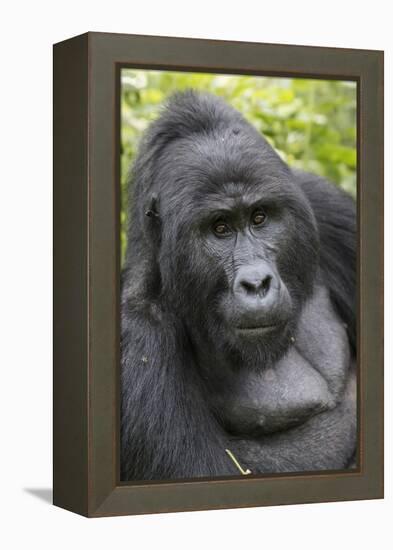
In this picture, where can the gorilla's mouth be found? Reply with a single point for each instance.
(260, 329)
(256, 329)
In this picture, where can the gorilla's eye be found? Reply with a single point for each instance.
(259, 217)
(221, 229)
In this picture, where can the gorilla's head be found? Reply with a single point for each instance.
(232, 236)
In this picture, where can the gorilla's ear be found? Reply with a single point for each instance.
(152, 207)
(153, 220)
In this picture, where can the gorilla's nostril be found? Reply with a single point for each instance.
(249, 287)
(265, 286)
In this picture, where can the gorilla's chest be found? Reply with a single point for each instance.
(276, 398)
(307, 380)
(302, 406)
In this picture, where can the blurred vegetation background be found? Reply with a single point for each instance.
(310, 123)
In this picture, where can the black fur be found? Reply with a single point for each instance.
(197, 378)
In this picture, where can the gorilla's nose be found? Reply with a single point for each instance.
(255, 283)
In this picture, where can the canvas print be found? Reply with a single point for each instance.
(238, 275)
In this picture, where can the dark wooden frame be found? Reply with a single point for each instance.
(86, 272)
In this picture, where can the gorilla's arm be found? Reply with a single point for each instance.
(166, 428)
(326, 442)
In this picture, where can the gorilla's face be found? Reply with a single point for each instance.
(247, 240)
(239, 236)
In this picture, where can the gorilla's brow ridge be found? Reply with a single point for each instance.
(227, 200)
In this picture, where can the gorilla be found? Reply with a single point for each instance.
(238, 321)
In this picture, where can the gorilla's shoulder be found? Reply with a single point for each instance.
(325, 196)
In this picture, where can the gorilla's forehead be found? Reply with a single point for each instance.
(221, 167)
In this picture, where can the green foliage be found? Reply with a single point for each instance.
(310, 123)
